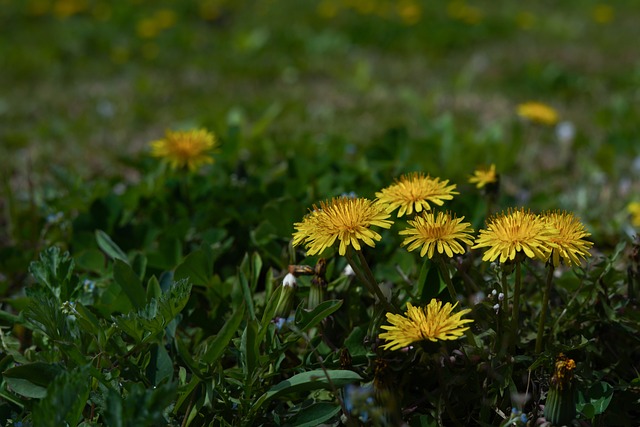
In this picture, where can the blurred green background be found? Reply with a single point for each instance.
(419, 85)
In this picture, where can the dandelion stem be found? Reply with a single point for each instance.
(543, 312)
(367, 278)
(515, 314)
(502, 316)
(444, 272)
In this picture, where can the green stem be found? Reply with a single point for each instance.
(503, 316)
(444, 272)
(367, 279)
(515, 314)
(543, 312)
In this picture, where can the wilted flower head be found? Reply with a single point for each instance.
(442, 232)
(415, 192)
(345, 219)
(433, 322)
(538, 112)
(514, 232)
(483, 177)
(569, 244)
(185, 149)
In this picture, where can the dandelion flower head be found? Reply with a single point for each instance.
(563, 373)
(346, 219)
(570, 245)
(634, 210)
(415, 192)
(443, 232)
(433, 322)
(538, 112)
(516, 231)
(482, 177)
(185, 149)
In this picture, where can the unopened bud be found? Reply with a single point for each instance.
(287, 296)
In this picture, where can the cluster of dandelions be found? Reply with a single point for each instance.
(510, 236)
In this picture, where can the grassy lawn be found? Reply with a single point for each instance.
(175, 276)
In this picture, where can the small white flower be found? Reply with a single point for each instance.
(289, 281)
(496, 308)
(500, 296)
(494, 292)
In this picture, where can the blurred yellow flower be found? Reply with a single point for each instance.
(538, 112)
(461, 11)
(525, 20)
(634, 210)
(433, 322)
(602, 14)
(482, 177)
(569, 244)
(185, 149)
(66, 8)
(442, 232)
(409, 11)
(415, 192)
(515, 232)
(346, 219)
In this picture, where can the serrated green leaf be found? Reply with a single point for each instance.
(110, 247)
(55, 272)
(308, 319)
(156, 315)
(130, 283)
(46, 315)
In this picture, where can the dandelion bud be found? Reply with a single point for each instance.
(348, 271)
(287, 296)
(560, 408)
(316, 292)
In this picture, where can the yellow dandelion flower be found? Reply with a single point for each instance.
(433, 322)
(442, 232)
(569, 243)
(190, 149)
(517, 231)
(634, 210)
(538, 112)
(346, 219)
(483, 177)
(414, 192)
